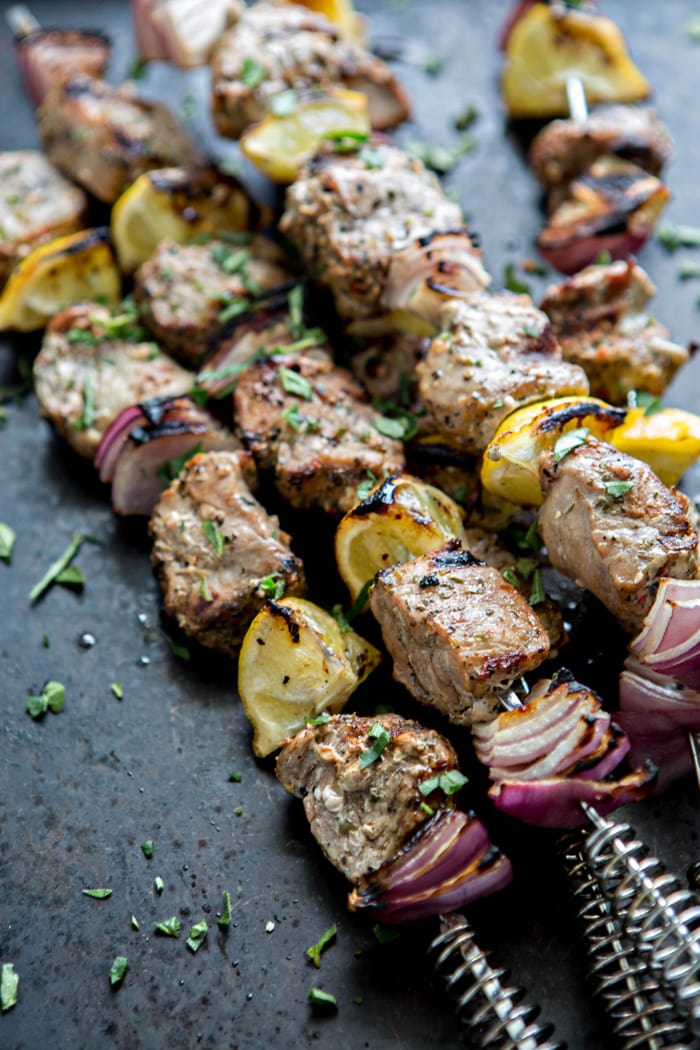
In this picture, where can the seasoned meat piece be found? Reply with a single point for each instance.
(104, 137)
(496, 353)
(386, 365)
(307, 418)
(611, 525)
(601, 323)
(36, 205)
(362, 817)
(375, 228)
(278, 46)
(49, 57)
(213, 544)
(458, 632)
(520, 573)
(186, 293)
(564, 149)
(92, 365)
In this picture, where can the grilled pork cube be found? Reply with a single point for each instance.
(36, 205)
(278, 46)
(386, 365)
(309, 421)
(104, 137)
(600, 319)
(458, 632)
(610, 524)
(496, 353)
(92, 365)
(567, 148)
(375, 228)
(362, 817)
(213, 545)
(187, 293)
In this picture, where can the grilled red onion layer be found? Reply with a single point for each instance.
(423, 276)
(49, 56)
(447, 863)
(657, 713)
(142, 447)
(180, 31)
(670, 639)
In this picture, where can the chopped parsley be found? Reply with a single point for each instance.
(88, 415)
(298, 421)
(513, 283)
(319, 720)
(235, 777)
(46, 641)
(603, 258)
(449, 783)
(284, 103)
(380, 738)
(314, 952)
(366, 485)
(294, 383)
(372, 158)
(136, 68)
(204, 592)
(215, 537)
(52, 698)
(169, 470)
(537, 594)
(71, 577)
(643, 399)
(180, 650)
(347, 141)
(385, 934)
(228, 260)
(117, 690)
(320, 998)
(272, 587)
(464, 120)
(158, 885)
(98, 894)
(434, 66)
(252, 73)
(198, 932)
(187, 107)
(616, 489)
(81, 335)
(147, 848)
(427, 809)
(673, 237)
(441, 159)
(118, 969)
(511, 576)
(531, 331)
(135, 923)
(234, 306)
(568, 442)
(692, 29)
(169, 927)
(9, 985)
(7, 541)
(225, 917)
(687, 270)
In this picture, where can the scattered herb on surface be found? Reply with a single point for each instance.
(434, 66)
(235, 777)
(319, 720)
(136, 68)
(158, 885)
(169, 470)
(118, 969)
(169, 927)
(52, 698)
(511, 576)
(98, 894)
(687, 270)
(294, 383)
(513, 283)
(537, 593)
(272, 587)
(317, 997)
(252, 73)
(643, 399)
(441, 159)
(135, 923)
(225, 917)
(692, 29)
(464, 120)
(449, 783)
(198, 933)
(71, 577)
(214, 536)
(427, 809)
(603, 258)
(673, 237)
(57, 567)
(147, 848)
(117, 690)
(380, 738)
(7, 541)
(204, 592)
(616, 489)
(314, 952)
(372, 158)
(366, 485)
(568, 442)
(385, 934)
(9, 985)
(45, 641)
(180, 650)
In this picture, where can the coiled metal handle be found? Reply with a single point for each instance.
(640, 1015)
(660, 916)
(497, 1017)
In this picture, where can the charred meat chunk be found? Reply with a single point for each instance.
(307, 419)
(600, 319)
(564, 149)
(37, 204)
(458, 632)
(362, 815)
(275, 47)
(496, 353)
(187, 293)
(376, 228)
(213, 545)
(92, 364)
(104, 137)
(611, 525)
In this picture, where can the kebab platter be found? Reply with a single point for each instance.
(335, 506)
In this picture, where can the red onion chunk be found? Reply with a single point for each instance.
(573, 254)
(180, 31)
(670, 639)
(49, 56)
(446, 864)
(556, 803)
(432, 270)
(113, 439)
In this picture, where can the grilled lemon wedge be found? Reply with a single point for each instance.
(77, 268)
(339, 11)
(400, 519)
(295, 664)
(667, 439)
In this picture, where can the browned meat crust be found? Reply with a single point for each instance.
(85, 374)
(599, 317)
(321, 446)
(289, 46)
(458, 632)
(495, 354)
(615, 540)
(187, 293)
(104, 137)
(362, 817)
(213, 544)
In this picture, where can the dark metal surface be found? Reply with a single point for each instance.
(81, 790)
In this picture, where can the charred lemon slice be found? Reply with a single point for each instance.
(668, 440)
(296, 664)
(339, 11)
(396, 321)
(292, 132)
(180, 204)
(400, 519)
(510, 467)
(73, 269)
(548, 45)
